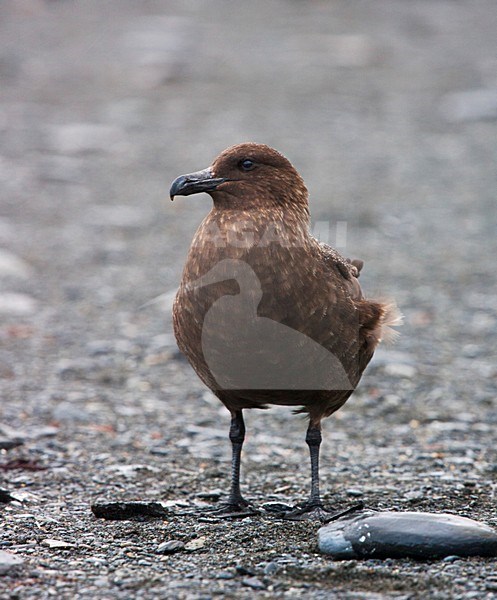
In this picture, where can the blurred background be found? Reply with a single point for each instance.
(388, 108)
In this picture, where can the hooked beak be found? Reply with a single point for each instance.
(193, 183)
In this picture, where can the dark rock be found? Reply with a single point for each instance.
(241, 570)
(22, 464)
(213, 495)
(6, 497)
(9, 443)
(160, 450)
(171, 547)
(277, 507)
(225, 575)
(117, 511)
(418, 535)
(253, 583)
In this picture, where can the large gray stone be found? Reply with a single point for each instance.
(371, 534)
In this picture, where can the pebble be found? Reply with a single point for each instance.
(13, 266)
(131, 471)
(451, 558)
(471, 105)
(160, 450)
(196, 544)
(355, 493)
(400, 370)
(370, 534)
(118, 511)
(271, 568)
(414, 496)
(171, 547)
(15, 304)
(69, 412)
(36, 433)
(9, 561)
(277, 507)
(57, 544)
(9, 443)
(253, 583)
(102, 347)
(472, 350)
(242, 570)
(108, 370)
(225, 575)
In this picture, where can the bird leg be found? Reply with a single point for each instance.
(236, 506)
(313, 508)
(237, 437)
(313, 439)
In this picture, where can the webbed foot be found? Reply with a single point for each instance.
(231, 510)
(312, 511)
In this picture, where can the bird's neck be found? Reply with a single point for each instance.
(256, 228)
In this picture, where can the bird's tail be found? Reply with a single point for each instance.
(390, 317)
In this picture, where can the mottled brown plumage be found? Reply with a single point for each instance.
(254, 274)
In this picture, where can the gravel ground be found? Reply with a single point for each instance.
(389, 111)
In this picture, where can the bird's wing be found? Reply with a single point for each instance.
(350, 269)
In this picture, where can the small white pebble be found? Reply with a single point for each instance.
(17, 304)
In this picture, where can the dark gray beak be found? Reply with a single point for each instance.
(193, 183)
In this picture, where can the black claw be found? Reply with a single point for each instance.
(348, 511)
